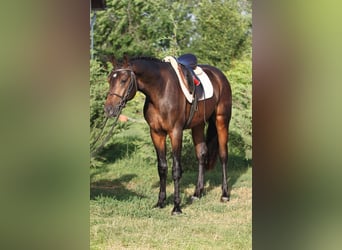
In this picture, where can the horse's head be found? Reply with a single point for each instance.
(122, 88)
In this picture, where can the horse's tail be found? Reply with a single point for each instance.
(212, 144)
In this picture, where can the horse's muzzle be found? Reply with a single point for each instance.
(112, 111)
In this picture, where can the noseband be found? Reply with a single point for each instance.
(132, 85)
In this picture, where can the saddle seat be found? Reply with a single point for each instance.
(188, 60)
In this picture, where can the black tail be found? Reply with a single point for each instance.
(212, 144)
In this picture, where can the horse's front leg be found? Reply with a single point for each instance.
(202, 157)
(176, 142)
(160, 146)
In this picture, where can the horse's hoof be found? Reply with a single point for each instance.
(194, 199)
(176, 211)
(224, 199)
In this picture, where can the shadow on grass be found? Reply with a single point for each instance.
(113, 188)
(119, 149)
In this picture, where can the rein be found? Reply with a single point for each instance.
(119, 107)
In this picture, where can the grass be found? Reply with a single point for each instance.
(124, 190)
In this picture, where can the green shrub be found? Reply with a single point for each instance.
(98, 91)
(240, 77)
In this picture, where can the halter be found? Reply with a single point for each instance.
(132, 84)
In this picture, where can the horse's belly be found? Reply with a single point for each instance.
(204, 110)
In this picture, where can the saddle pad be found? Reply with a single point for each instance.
(206, 83)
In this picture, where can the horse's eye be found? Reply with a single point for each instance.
(123, 81)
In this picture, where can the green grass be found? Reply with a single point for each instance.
(124, 190)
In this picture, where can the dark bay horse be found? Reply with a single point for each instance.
(166, 111)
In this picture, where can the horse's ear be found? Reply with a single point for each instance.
(125, 60)
(113, 61)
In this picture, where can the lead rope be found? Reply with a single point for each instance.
(121, 105)
(99, 135)
(96, 150)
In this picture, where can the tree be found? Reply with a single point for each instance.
(142, 27)
(217, 31)
(223, 30)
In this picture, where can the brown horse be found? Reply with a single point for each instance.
(166, 111)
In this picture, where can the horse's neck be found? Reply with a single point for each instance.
(148, 79)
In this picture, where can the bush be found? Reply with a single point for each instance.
(98, 90)
(240, 77)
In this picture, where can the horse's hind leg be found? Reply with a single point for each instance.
(160, 146)
(222, 124)
(202, 157)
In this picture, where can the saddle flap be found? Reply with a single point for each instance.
(187, 77)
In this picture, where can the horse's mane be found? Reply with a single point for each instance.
(146, 58)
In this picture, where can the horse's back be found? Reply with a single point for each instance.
(219, 80)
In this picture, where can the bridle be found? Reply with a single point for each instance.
(132, 85)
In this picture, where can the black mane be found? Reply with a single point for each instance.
(147, 58)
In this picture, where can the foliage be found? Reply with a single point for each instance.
(216, 31)
(147, 27)
(98, 91)
(240, 77)
(222, 31)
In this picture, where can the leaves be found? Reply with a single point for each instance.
(98, 91)
(240, 76)
(222, 32)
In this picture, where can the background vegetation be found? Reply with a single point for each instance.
(124, 178)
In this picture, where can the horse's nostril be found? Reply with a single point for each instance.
(111, 111)
(108, 110)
